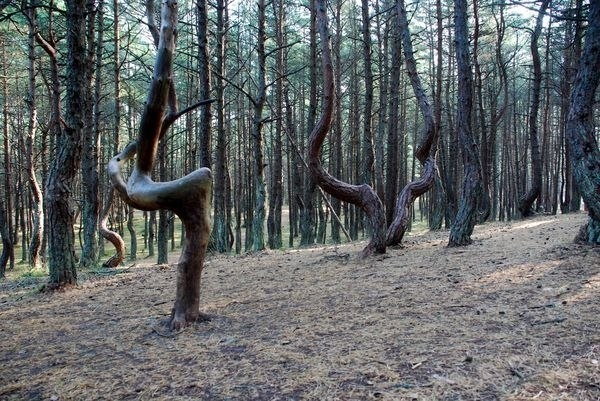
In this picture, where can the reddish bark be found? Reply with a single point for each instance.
(361, 195)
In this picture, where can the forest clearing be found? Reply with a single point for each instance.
(514, 316)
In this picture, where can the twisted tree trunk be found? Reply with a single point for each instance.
(188, 197)
(427, 146)
(360, 195)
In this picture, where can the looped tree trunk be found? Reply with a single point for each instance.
(188, 197)
(113, 237)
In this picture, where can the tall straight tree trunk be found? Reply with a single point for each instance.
(572, 53)
(275, 239)
(466, 217)
(368, 156)
(484, 204)
(526, 201)
(6, 200)
(55, 124)
(162, 232)
(90, 179)
(382, 114)
(37, 231)
(392, 166)
(258, 102)
(110, 235)
(581, 132)
(307, 212)
(62, 261)
(204, 129)
(438, 196)
(5, 235)
(221, 220)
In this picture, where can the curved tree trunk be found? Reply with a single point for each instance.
(526, 201)
(360, 195)
(585, 155)
(109, 235)
(188, 197)
(427, 146)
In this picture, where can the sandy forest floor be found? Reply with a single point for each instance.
(515, 316)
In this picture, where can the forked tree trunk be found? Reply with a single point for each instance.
(188, 197)
(360, 195)
(585, 155)
(426, 148)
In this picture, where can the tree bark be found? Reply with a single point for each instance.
(7, 223)
(188, 197)
(37, 231)
(427, 146)
(484, 205)
(258, 240)
(585, 155)
(392, 166)
(462, 227)
(526, 201)
(274, 234)
(112, 236)
(5, 234)
(204, 71)
(307, 198)
(368, 157)
(360, 195)
(221, 217)
(62, 261)
(90, 162)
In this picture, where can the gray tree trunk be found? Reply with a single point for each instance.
(37, 231)
(466, 217)
(62, 261)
